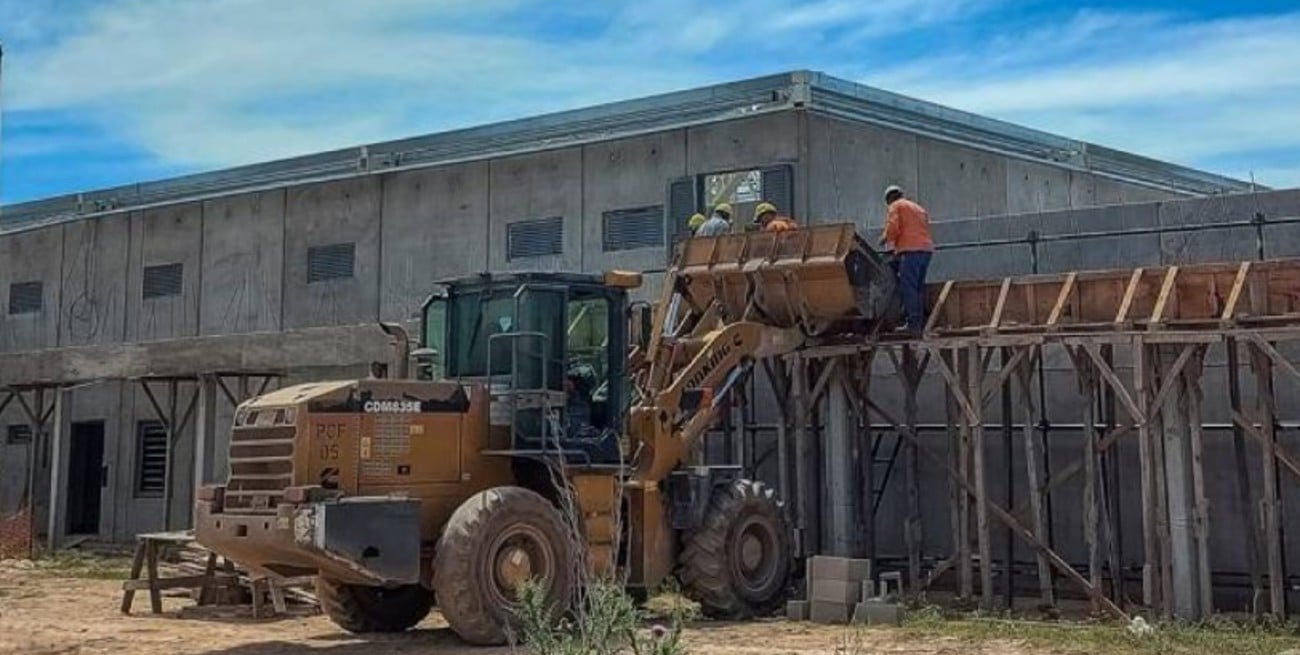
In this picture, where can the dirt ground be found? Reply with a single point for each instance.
(45, 613)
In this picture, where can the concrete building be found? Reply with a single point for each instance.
(286, 266)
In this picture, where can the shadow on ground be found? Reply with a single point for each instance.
(440, 640)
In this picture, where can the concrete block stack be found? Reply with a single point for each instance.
(840, 590)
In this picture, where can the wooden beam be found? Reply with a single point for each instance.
(1067, 289)
(1162, 300)
(1130, 291)
(939, 306)
(1234, 296)
(1121, 392)
(1000, 306)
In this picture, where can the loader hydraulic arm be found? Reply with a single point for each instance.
(667, 424)
(734, 299)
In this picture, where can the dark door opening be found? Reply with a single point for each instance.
(86, 476)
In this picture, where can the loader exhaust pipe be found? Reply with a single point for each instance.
(401, 343)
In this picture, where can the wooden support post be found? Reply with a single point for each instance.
(806, 502)
(1109, 501)
(1033, 459)
(1088, 386)
(974, 392)
(1244, 504)
(957, 498)
(911, 378)
(1270, 518)
(1191, 378)
(1150, 547)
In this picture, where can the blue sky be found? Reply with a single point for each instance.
(105, 92)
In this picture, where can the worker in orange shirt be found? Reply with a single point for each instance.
(766, 218)
(907, 235)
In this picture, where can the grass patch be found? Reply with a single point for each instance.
(76, 564)
(1216, 637)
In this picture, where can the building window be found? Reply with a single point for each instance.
(18, 435)
(627, 229)
(336, 261)
(25, 297)
(163, 280)
(536, 238)
(150, 458)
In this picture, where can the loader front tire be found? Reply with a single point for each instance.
(358, 608)
(737, 564)
(495, 541)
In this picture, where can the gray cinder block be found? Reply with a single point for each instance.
(796, 610)
(878, 613)
(868, 591)
(839, 591)
(824, 611)
(823, 567)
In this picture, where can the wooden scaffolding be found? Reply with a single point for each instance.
(1137, 343)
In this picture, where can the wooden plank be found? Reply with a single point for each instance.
(1130, 291)
(181, 582)
(1244, 499)
(1276, 357)
(151, 562)
(975, 386)
(939, 305)
(1034, 476)
(1001, 305)
(1116, 385)
(956, 388)
(1151, 557)
(1234, 296)
(912, 527)
(1162, 300)
(137, 564)
(1088, 383)
(1067, 288)
(1264, 403)
(1191, 378)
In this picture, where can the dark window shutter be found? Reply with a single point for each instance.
(25, 297)
(332, 262)
(151, 458)
(535, 238)
(163, 280)
(627, 229)
(778, 188)
(682, 202)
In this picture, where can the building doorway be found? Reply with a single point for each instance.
(86, 477)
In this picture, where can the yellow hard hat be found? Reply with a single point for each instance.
(696, 221)
(763, 208)
(723, 208)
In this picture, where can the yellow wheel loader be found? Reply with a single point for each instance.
(545, 435)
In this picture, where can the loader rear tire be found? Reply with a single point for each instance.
(494, 541)
(737, 564)
(358, 608)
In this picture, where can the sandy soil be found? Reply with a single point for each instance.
(41, 613)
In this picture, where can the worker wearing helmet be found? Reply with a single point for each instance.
(766, 218)
(697, 219)
(907, 235)
(719, 223)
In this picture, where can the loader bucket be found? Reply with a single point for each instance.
(821, 279)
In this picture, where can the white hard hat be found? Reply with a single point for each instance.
(893, 189)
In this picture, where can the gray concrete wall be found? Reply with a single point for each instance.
(93, 294)
(850, 164)
(346, 211)
(168, 235)
(241, 289)
(34, 256)
(626, 174)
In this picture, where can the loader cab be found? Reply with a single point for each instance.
(552, 349)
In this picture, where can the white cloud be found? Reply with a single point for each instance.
(1152, 84)
(209, 83)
